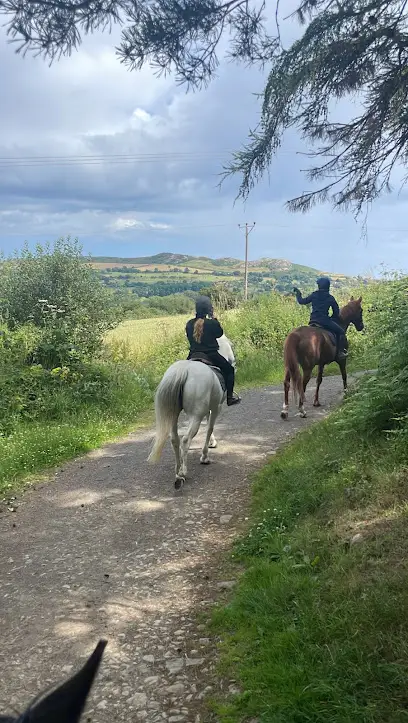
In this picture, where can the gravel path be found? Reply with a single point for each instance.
(107, 550)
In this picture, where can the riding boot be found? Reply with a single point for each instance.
(231, 397)
(341, 348)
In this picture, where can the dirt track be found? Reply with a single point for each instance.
(107, 550)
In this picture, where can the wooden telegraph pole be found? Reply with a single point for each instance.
(248, 230)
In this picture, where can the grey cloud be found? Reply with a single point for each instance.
(83, 106)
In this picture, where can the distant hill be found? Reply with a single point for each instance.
(204, 263)
(167, 273)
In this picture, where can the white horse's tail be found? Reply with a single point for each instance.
(168, 404)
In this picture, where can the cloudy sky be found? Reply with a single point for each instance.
(161, 194)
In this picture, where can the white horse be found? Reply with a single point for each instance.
(194, 387)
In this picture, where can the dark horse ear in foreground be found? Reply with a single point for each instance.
(66, 703)
(310, 346)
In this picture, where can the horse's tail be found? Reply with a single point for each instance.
(168, 404)
(292, 363)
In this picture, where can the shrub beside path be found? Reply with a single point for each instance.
(107, 550)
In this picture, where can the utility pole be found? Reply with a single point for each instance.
(248, 230)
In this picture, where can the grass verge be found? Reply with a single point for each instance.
(35, 448)
(316, 630)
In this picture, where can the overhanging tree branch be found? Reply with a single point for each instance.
(348, 49)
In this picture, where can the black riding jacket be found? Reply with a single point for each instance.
(321, 302)
(211, 332)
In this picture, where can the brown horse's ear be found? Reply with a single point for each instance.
(66, 703)
(360, 299)
(351, 298)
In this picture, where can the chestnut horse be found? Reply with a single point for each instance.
(310, 346)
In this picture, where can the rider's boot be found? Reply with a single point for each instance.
(342, 352)
(233, 399)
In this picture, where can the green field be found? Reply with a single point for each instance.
(138, 338)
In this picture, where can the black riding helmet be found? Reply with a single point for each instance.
(323, 283)
(203, 306)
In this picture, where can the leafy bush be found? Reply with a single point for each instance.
(55, 290)
(381, 401)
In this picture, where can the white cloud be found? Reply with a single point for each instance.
(124, 223)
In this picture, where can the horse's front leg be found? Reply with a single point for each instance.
(307, 373)
(204, 453)
(316, 402)
(213, 442)
(343, 369)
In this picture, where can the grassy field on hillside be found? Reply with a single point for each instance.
(140, 338)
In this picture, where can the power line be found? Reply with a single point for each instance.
(124, 158)
(176, 227)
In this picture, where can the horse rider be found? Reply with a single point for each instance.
(202, 334)
(322, 301)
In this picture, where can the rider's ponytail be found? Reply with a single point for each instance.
(198, 330)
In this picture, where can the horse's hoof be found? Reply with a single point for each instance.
(213, 444)
(284, 415)
(179, 484)
(204, 460)
(302, 415)
(317, 404)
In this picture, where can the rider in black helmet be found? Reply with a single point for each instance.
(202, 334)
(322, 301)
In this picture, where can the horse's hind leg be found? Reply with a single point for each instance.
(175, 441)
(307, 373)
(193, 428)
(316, 402)
(204, 454)
(286, 387)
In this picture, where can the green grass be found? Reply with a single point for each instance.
(140, 339)
(33, 448)
(316, 630)
(73, 420)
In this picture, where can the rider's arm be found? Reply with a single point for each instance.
(303, 301)
(217, 328)
(335, 307)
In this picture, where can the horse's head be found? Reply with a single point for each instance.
(352, 313)
(66, 703)
(225, 349)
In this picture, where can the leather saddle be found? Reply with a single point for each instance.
(330, 334)
(201, 357)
